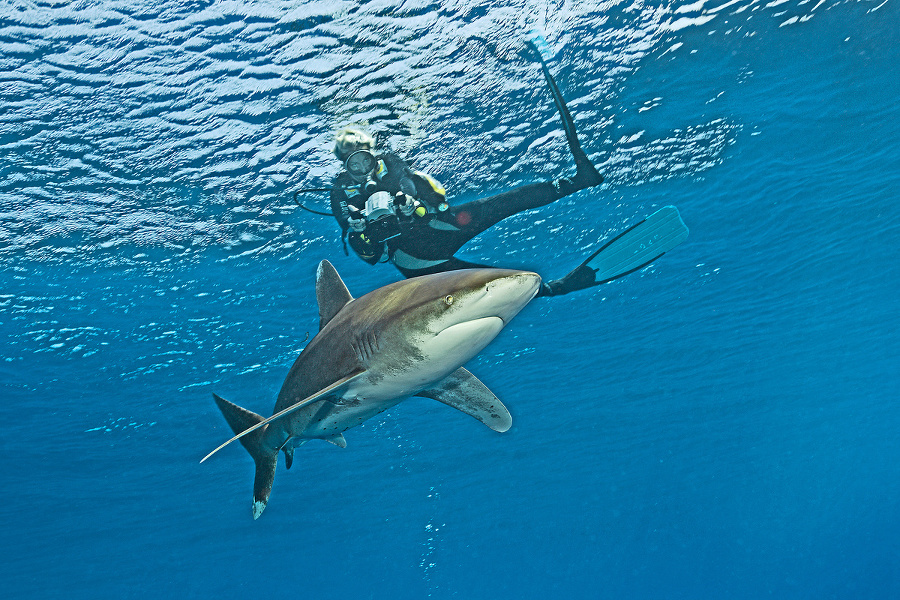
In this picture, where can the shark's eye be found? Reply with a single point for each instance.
(448, 300)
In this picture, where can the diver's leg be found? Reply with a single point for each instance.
(474, 217)
(570, 283)
(481, 214)
(586, 174)
(452, 264)
(581, 278)
(429, 248)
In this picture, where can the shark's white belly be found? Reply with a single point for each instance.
(388, 382)
(338, 415)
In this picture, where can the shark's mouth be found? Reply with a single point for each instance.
(469, 335)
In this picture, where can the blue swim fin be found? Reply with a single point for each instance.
(586, 173)
(630, 251)
(639, 245)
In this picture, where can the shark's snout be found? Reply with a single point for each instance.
(510, 293)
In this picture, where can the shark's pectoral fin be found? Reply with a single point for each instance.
(463, 391)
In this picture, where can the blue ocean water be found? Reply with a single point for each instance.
(722, 424)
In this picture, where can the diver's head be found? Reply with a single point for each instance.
(351, 139)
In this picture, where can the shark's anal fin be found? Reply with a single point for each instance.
(463, 391)
(333, 388)
(331, 293)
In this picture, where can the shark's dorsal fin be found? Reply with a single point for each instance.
(463, 391)
(331, 292)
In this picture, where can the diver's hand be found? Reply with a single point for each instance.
(405, 204)
(356, 224)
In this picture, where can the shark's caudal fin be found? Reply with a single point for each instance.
(257, 423)
(241, 419)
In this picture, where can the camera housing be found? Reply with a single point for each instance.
(382, 222)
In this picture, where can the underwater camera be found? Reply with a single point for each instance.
(382, 222)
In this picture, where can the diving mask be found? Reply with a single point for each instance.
(360, 164)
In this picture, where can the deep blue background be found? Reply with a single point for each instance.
(722, 424)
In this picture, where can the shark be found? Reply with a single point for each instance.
(408, 338)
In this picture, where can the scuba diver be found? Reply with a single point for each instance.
(390, 212)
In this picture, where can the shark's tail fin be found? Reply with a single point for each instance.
(241, 419)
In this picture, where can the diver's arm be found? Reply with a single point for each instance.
(338, 206)
(428, 190)
(340, 199)
(418, 184)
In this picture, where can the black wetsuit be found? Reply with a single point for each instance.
(419, 245)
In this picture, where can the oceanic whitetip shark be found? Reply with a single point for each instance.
(409, 338)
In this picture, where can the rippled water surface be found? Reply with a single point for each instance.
(721, 424)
